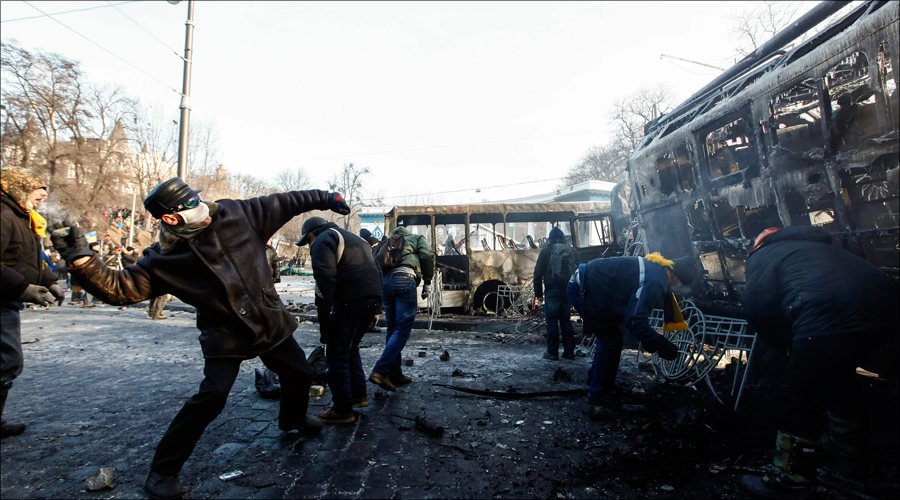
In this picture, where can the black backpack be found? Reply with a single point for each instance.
(563, 261)
(390, 254)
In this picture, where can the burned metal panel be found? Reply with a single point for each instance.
(666, 231)
(509, 267)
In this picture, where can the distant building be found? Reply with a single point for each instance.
(583, 191)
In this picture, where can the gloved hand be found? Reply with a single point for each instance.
(426, 290)
(37, 294)
(70, 243)
(668, 351)
(58, 293)
(337, 204)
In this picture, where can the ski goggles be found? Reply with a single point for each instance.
(192, 202)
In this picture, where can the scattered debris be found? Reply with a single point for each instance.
(408, 362)
(638, 393)
(520, 422)
(422, 354)
(228, 476)
(511, 394)
(666, 487)
(30, 341)
(445, 356)
(548, 422)
(316, 391)
(267, 384)
(103, 479)
(634, 408)
(561, 374)
(378, 395)
(428, 426)
(316, 361)
(460, 373)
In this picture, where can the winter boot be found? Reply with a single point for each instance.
(164, 487)
(846, 468)
(791, 473)
(7, 430)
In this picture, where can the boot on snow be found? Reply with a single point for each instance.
(8, 430)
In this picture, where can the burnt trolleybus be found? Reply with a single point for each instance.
(807, 136)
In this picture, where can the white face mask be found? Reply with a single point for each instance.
(196, 215)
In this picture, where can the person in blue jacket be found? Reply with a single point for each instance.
(618, 292)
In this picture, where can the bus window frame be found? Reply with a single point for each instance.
(744, 112)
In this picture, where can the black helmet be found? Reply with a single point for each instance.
(309, 226)
(167, 196)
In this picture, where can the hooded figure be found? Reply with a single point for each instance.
(23, 276)
(833, 311)
(555, 265)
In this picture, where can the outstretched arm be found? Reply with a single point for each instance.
(128, 286)
(268, 213)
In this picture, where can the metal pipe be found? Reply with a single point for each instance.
(131, 227)
(806, 22)
(186, 92)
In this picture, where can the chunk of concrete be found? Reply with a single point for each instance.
(103, 479)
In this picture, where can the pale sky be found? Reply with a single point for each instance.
(432, 96)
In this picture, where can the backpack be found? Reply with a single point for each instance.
(390, 254)
(563, 262)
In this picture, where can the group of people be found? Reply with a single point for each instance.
(831, 310)
(801, 292)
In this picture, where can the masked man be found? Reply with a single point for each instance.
(212, 256)
(22, 274)
(621, 293)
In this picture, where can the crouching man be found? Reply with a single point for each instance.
(348, 294)
(213, 256)
(831, 310)
(623, 291)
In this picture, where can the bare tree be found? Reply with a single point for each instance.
(629, 114)
(154, 140)
(292, 179)
(602, 163)
(753, 27)
(348, 182)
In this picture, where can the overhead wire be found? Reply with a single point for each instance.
(469, 189)
(164, 44)
(689, 71)
(66, 12)
(446, 146)
(102, 47)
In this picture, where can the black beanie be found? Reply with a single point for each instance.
(684, 269)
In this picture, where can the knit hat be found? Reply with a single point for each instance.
(556, 234)
(18, 184)
(684, 269)
(365, 234)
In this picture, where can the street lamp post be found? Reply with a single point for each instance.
(185, 106)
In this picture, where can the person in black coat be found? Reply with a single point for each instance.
(557, 308)
(348, 294)
(212, 256)
(22, 274)
(830, 309)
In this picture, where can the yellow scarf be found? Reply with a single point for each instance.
(673, 319)
(38, 223)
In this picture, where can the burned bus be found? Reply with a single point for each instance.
(480, 247)
(807, 136)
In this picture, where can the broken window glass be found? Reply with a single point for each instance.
(888, 85)
(726, 219)
(450, 239)
(685, 166)
(872, 206)
(728, 148)
(759, 218)
(853, 114)
(667, 180)
(698, 222)
(796, 118)
(597, 232)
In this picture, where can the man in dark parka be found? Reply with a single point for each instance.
(212, 256)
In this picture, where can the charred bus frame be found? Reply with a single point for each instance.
(806, 136)
(472, 270)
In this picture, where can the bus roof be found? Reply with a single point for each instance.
(580, 207)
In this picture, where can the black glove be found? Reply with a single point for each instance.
(37, 294)
(337, 204)
(58, 293)
(70, 243)
(667, 350)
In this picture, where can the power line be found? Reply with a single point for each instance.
(102, 47)
(470, 189)
(447, 146)
(67, 12)
(145, 31)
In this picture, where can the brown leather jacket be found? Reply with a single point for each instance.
(223, 272)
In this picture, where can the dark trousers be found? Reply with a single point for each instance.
(346, 377)
(558, 311)
(295, 374)
(821, 376)
(607, 353)
(157, 304)
(398, 292)
(11, 358)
